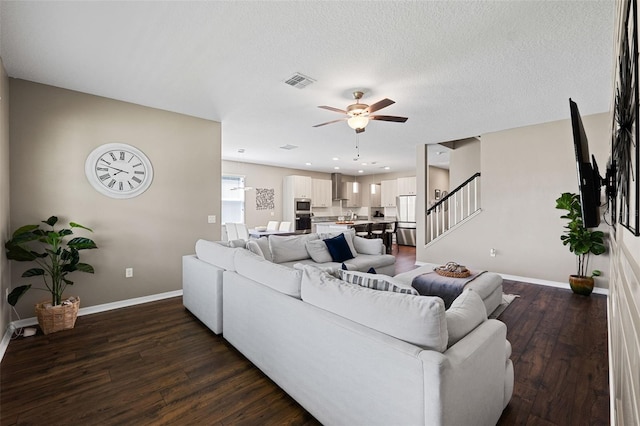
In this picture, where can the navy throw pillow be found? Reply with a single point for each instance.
(371, 271)
(338, 248)
(344, 267)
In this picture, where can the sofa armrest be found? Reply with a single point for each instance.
(471, 376)
(202, 291)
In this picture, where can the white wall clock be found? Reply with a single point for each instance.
(118, 170)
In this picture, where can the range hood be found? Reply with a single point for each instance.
(336, 187)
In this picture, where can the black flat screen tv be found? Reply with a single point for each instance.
(589, 180)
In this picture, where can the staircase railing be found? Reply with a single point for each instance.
(454, 208)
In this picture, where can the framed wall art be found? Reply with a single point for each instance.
(625, 154)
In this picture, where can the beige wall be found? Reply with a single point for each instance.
(52, 132)
(464, 161)
(5, 268)
(260, 176)
(438, 179)
(523, 171)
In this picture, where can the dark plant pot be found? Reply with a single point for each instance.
(581, 285)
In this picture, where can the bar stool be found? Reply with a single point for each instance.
(377, 229)
(362, 230)
(389, 234)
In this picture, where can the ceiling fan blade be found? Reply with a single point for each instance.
(330, 122)
(388, 118)
(379, 105)
(332, 109)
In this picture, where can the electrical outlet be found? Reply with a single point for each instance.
(211, 218)
(128, 272)
(492, 252)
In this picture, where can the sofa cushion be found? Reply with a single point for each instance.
(419, 320)
(368, 245)
(217, 253)
(278, 277)
(363, 262)
(254, 248)
(465, 313)
(338, 248)
(349, 235)
(376, 282)
(290, 248)
(318, 251)
(260, 246)
(238, 243)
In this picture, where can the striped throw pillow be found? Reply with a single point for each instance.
(376, 282)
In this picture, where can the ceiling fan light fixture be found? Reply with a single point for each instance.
(358, 122)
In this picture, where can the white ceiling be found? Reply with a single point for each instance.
(455, 68)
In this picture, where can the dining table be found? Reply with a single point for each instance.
(258, 233)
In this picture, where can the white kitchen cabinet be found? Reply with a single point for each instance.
(388, 193)
(321, 193)
(297, 186)
(407, 186)
(375, 199)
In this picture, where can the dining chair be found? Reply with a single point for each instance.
(242, 231)
(230, 232)
(285, 226)
(272, 225)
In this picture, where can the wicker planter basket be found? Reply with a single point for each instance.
(452, 270)
(57, 318)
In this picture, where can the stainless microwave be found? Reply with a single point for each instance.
(303, 205)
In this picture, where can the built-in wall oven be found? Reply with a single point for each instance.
(302, 214)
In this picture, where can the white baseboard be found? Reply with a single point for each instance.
(86, 311)
(4, 344)
(538, 281)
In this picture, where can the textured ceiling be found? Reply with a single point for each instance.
(456, 69)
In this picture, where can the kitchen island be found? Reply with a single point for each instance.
(339, 226)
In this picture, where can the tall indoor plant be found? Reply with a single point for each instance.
(54, 256)
(581, 241)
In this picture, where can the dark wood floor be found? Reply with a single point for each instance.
(157, 364)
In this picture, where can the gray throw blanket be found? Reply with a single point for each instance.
(447, 288)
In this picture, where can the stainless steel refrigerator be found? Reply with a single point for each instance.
(406, 206)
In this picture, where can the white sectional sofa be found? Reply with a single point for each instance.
(352, 355)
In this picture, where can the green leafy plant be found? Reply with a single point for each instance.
(581, 241)
(55, 257)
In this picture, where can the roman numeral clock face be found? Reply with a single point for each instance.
(118, 170)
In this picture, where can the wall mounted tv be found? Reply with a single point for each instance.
(589, 179)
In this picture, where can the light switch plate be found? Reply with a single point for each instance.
(211, 218)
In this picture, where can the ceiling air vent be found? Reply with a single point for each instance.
(288, 147)
(299, 81)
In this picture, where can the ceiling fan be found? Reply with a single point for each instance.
(358, 115)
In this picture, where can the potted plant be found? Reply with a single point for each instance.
(581, 241)
(55, 258)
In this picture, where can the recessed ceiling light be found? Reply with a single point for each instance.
(363, 164)
(307, 164)
(360, 171)
(336, 168)
(335, 158)
(387, 167)
(241, 150)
